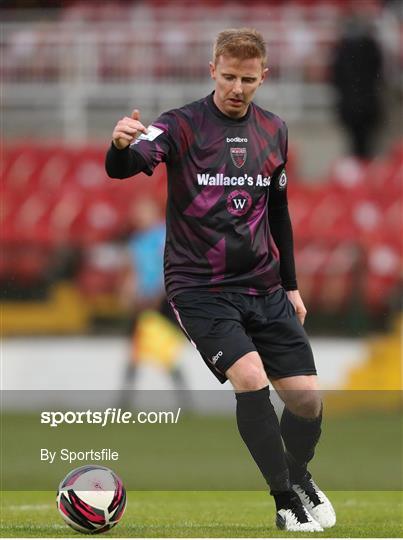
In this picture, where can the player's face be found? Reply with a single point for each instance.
(236, 82)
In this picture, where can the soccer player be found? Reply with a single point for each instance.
(229, 264)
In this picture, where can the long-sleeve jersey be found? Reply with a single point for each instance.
(226, 197)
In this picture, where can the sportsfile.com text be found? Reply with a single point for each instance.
(109, 416)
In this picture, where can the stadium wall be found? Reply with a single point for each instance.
(93, 363)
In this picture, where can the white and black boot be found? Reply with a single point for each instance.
(315, 501)
(294, 517)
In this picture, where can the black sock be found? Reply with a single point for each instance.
(260, 430)
(300, 436)
(284, 499)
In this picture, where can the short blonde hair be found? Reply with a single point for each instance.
(242, 43)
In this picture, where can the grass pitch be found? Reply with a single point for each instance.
(208, 514)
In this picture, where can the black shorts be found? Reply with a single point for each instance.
(225, 326)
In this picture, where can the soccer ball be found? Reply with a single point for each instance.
(91, 499)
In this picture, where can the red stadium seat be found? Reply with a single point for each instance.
(101, 270)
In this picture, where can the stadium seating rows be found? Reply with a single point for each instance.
(300, 35)
(347, 227)
(56, 195)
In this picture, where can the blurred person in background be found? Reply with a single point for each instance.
(156, 338)
(229, 264)
(356, 75)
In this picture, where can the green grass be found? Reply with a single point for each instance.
(206, 514)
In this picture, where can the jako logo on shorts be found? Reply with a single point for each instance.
(216, 357)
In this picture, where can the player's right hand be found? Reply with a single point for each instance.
(127, 130)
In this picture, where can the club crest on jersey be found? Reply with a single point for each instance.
(238, 156)
(239, 202)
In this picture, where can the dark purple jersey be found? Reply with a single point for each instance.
(220, 174)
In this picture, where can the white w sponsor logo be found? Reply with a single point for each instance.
(239, 203)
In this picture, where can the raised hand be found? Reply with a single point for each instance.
(127, 130)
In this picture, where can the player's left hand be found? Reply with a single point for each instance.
(296, 300)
